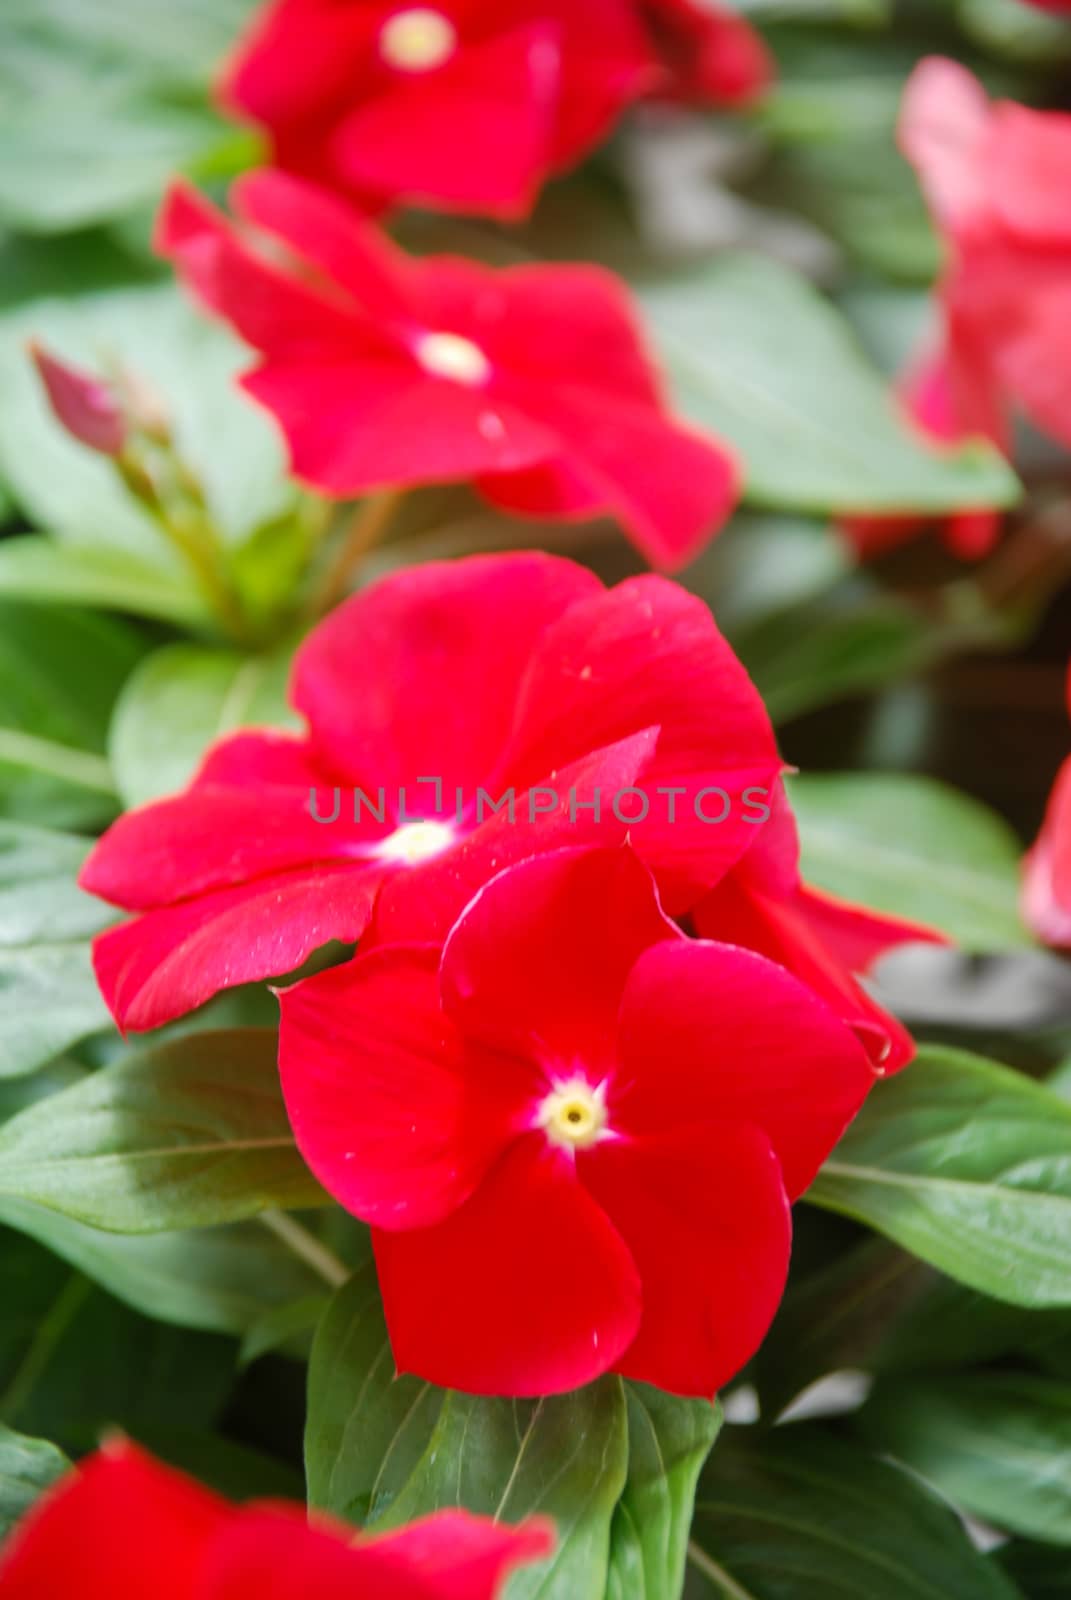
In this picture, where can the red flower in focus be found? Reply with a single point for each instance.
(504, 673)
(385, 370)
(997, 177)
(764, 905)
(578, 1139)
(1047, 874)
(122, 1527)
(471, 104)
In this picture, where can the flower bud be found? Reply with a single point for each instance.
(88, 407)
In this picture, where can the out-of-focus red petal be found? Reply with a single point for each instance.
(945, 128)
(418, 675)
(119, 1527)
(396, 1113)
(475, 135)
(704, 1212)
(539, 959)
(712, 1032)
(711, 55)
(167, 962)
(1047, 869)
(528, 1289)
(465, 1557)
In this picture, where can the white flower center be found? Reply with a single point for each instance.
(416, 841)
(448, 355)
(573, 1115)
(418, 40)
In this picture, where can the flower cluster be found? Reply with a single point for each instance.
(121, 1525)
(544, 1095)
(472, 106)
(996, 177)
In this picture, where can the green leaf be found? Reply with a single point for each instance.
(103, 102)
(49, 998)
(223, 1279)
(968, 1166)
(761, 359)
(1043, 1572)
(798, 1515)
(994, 1443)
(180, 1135)
(60, 672)
(668, 1441)
(27, 1468)
(382, 1451)
(33, 568)
(178, 702)
(914, 848)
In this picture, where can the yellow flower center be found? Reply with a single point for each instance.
(573, 1115)
(416, 841)
(448, 355)
(418, 40)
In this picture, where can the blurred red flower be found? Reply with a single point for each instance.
(472, 104)
(382, 369)
(578, 1140)
(123, 1527)
(502, 673)
(764, 905)
(997, 177)
(1047, 875)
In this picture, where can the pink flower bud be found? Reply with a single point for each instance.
(86, 406)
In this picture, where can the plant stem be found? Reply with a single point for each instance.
(307, 1247)
(70, 1301)
(80, 767)
(365, 531)
(710, 1569)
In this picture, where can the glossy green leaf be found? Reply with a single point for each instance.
(914, 848)
(180, 1135)
(182, 699)
(382, 1451)
(968, 1166)
(27, 1468)
(760, 358)
(224, 1279)
(994, 1443)
(799, 1515)
(668, 1441)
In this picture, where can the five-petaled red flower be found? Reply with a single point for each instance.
(123, 1527)
(764, 905)
(1047, 876)
(472, 104)
(577, 1139)
(997, 178)
(532, 383)
(497, 673)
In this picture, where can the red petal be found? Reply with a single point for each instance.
(119, 1527)
(397, 1114)
(1047, 880)
(168, 962)
(299, 57)
(275, 1552)
(475, 135)
(376, 420)
(418, 675)
(712, 55)
(945, 129)
(705, 1216)
(714, 1033)
(424, 904)
(539, 959)
(527, 1290)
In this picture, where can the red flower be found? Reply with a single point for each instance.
(1047, 876)
(577, 1140)
(471, 104)
(764, 905)
(502, 673)
(381, 369)
(122, 1527)
(997, 178)
(88, 408)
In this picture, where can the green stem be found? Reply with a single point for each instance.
(65, 1308)
(307, 1247)
(80, 767)
(365, 531)
(710, 1569)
